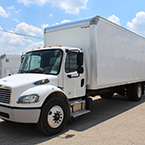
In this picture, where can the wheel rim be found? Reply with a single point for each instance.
(139, 92)
(55, 116)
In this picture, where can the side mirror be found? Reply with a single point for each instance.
(80, 70)
(80, 59)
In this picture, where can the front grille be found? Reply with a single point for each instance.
(5, 95)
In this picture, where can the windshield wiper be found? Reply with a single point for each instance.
(37, 70)
(21, 71)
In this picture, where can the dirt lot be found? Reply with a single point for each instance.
(112, 122)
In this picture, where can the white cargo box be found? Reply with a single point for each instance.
(114, 55)
(9, 64)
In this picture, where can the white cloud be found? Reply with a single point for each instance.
(12, 39)
(18, 11)
(1, 29)
(13, 9)
(44, 26)
(29, 41)
(64, 21)
(10, 42)
(16, 20)
(38, 2)
(24, 28)
(138, 23)
(3, 12)
(50, 15)
(35, 45)
(114, 19)
(70, 6)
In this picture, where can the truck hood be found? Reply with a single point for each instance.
(19, 80)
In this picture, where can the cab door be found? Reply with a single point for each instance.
(74, 82)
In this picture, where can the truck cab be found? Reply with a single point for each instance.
(45, 75)
(60, 63)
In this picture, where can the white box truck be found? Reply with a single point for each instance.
(81, 59)
(9, 64)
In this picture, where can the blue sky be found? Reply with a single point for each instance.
(29, 17)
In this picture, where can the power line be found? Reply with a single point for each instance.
(21, 34)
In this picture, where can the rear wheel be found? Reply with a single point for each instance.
(54, 116)
(137, 92)
(134, 92)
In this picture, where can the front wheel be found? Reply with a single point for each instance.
(54, 116)
(137, 92)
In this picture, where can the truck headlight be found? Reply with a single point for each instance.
(41, 82)
(28, 99)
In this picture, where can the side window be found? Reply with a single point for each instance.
(71, 62)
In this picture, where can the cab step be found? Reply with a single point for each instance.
(79, 107)
(78, 101)
(79, 113)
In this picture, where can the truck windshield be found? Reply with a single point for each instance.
(44, 61)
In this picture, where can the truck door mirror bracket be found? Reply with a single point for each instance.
(80, 59)
(80, 70)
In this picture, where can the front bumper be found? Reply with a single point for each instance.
(20, 115)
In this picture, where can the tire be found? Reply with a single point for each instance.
(54, 116)
(137, 92)
(106, 95)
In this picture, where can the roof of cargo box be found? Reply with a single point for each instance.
(72, 24)
(83, 23)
